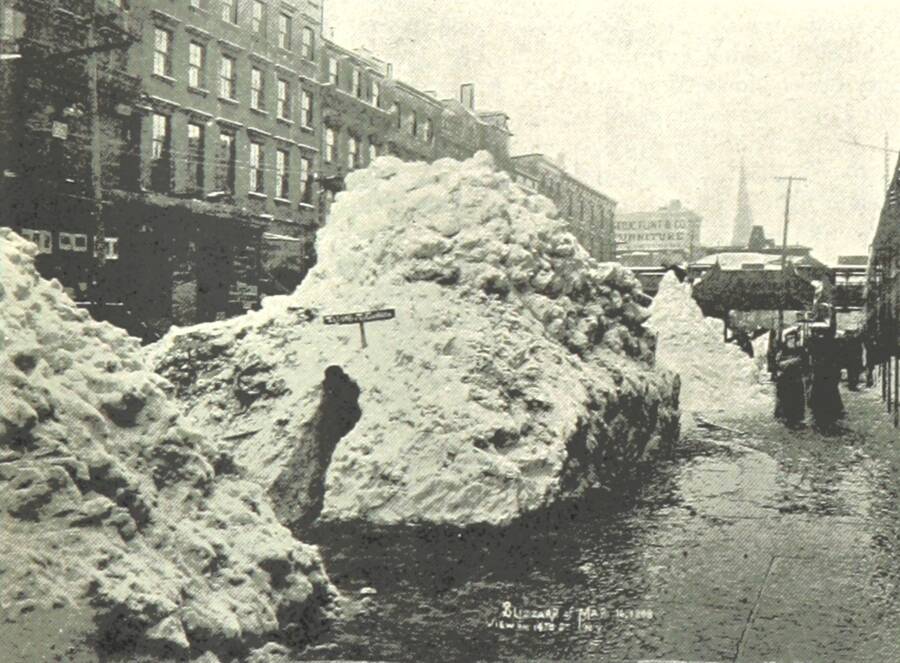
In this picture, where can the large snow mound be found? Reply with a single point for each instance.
(119, 524)
(517, 370)
(718, 380)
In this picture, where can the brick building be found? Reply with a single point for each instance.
(210, 130)
(367, 112)
(590, 213)
(670, 234)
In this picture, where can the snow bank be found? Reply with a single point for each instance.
(718, 380)
(517, 370)
(116, 517)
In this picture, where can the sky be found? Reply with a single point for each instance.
(657, 101)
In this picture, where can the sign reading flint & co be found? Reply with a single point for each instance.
(353, 318)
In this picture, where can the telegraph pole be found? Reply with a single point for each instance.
(790, 179)
(96, 163)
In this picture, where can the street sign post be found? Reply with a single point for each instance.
(359, 318)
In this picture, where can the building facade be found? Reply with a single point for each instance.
(670, 234)
(590, 214)
(209, 134)
(367, 113)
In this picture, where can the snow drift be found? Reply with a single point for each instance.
(517, 370)
(718, 380)
(120, 526)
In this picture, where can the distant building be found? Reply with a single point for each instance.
(670, 234)
(590, 213)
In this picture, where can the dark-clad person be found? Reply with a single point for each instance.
(790, 395)
(853, 359)
(825, 398)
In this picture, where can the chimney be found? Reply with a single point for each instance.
(561, 160)
(467, 95)
(390, 70)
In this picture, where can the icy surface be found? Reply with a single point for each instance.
(118, 522)
(517, 370)
(719, 381)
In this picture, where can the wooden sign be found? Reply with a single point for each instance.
(360, 319)
(353, 318)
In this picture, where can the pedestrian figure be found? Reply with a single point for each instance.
(790, 395)
(825, 398)
(853, 358)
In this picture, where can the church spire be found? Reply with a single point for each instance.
(743, 220)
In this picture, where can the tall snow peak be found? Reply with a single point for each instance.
(516, 372)
(718, 380)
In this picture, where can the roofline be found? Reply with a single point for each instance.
(567, 174)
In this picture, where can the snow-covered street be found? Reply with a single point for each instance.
(763, 544)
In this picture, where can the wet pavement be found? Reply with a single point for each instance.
(754, 543)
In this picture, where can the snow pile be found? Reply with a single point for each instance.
(120, 525)
(517, 370)
(718, 380)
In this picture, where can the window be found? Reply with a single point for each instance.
(12, 23)
(160, 157)
(227, 77)
(199, 4)
(284, 31)
(258, 17)
(44, 241)
(306, 109)
(376, 94)
(353, 153)
(257, 168)
(226, 160)
(162, 52)
(398, 115)
(309, 44)
(77, 242)
(196, 143)
(429, 130)
(230, 11)
(284, 100)
(257, 89)
(413, 123)
(196, 65)
(330, 145)
(112, 247)
(305, 179)
(357, 84)
(333, 76)
(373, 152)
(282, 178)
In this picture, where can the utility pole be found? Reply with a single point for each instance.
(886, 150)
(96, 163)
(790, 179)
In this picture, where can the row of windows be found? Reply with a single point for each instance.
(258, 22)
(354, 150)
(75, 242)
(162, 157)
(228, 80)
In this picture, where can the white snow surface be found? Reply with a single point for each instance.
(112, 513)
(719, 382)
(511, 347)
